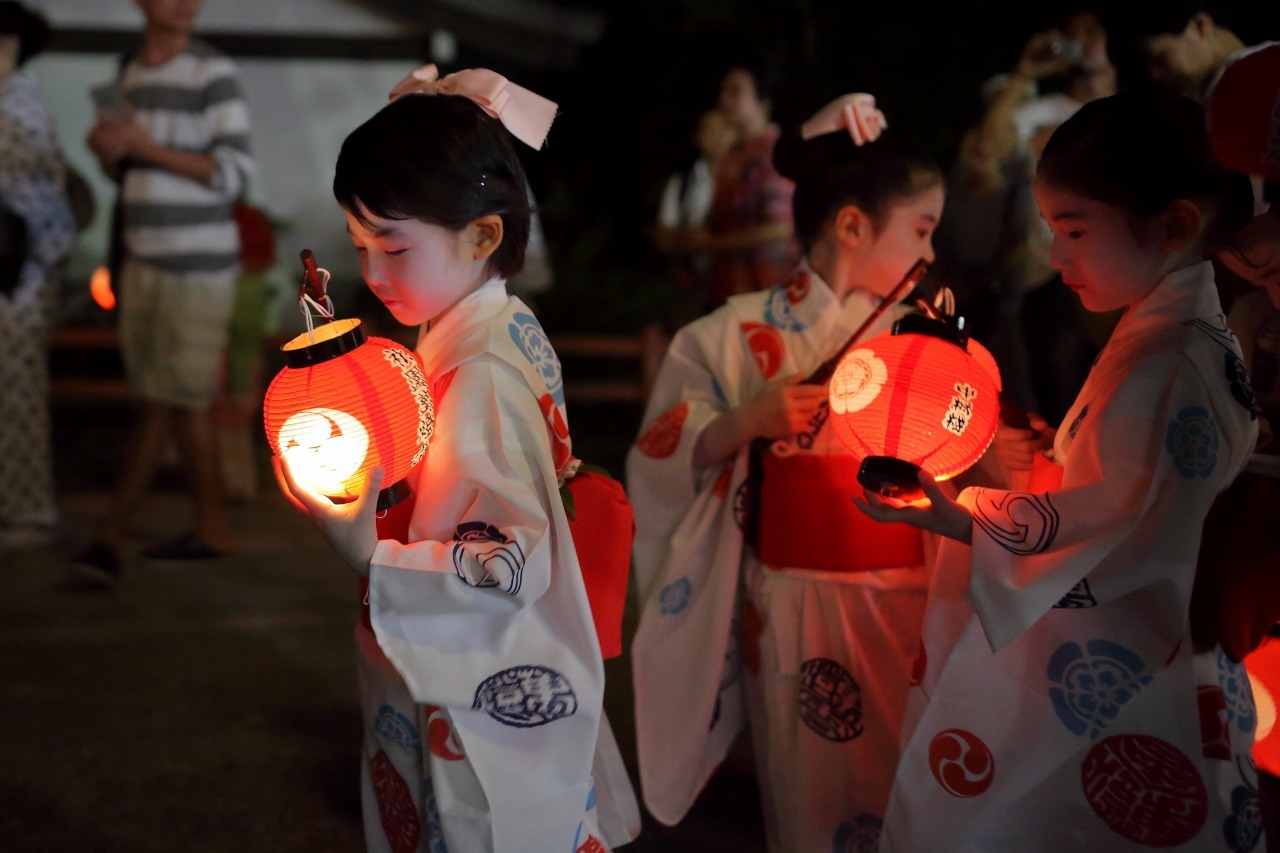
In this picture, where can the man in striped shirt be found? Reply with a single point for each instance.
(180, 151)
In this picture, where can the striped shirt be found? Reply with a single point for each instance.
(192, 102)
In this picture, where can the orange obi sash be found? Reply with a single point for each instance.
(808, 520)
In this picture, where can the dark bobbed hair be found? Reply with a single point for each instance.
(1143, 19)
(30, 27)
(1139, 152)
(438, 159)
(830, 172)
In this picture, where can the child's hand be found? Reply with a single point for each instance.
(349, 527)
(938, 514)
(1016, 448)
(784, 411)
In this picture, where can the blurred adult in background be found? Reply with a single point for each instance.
(179, 146)
(749, 231)
(36, 232)
(682, 215)
(1039, 323)
(1186, 44)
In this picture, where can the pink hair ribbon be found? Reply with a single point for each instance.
(855, 113)
(526, 115)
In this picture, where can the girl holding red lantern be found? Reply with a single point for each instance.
(480, 670)
(819, 653)
(1064, 703)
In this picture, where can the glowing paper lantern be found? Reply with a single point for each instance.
(921, 396)
(345, 404)
(100, 289)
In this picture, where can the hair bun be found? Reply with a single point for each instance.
(798, 159)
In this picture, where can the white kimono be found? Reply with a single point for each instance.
(481, 680)
(1062, 705)
(825, 655)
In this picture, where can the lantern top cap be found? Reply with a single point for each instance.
(323, 344)
(949, 329)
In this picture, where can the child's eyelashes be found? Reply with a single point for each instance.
(395, 252)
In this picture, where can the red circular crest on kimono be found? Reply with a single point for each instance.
(798, 287)
(440, 737)
(559, 432)
(766, 344)
(1145, 790)
(662, 438)
(396, 811)
(961, 762)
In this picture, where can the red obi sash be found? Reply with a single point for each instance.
(808, 520)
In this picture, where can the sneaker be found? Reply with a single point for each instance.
(99, 563)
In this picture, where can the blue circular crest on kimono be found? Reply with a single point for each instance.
(1092, 684)
(1234, 681)
(1192, 438)
(779, 313)
(397, 728)
(860, 835)
(526, 696)
(527, 333)
(830, 700)
(1238, 380)
(674, 597)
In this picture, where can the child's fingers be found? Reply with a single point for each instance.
(1038, 423)
(302, 495)
(282, 480)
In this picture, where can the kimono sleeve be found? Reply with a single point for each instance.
(1140, 475)
(482, 551)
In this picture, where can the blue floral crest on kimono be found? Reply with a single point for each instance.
(527, 333)
(397, 728)
(860, 835)
(1192, 438)
(674, 597)
(1091, 687)
(779, 314)
(1234, 681)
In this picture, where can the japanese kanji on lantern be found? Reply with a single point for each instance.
(923, 396)
(346, 403)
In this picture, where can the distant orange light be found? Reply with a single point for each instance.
(100, 289)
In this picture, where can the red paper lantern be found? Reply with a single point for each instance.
(921, 396)
(345, 404)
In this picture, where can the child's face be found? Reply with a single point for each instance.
(177, 16)
(1104, 257)
(415, 269)
(905, 235)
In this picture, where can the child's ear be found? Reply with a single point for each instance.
(486, 233)
(1181, 224)
(852, 226)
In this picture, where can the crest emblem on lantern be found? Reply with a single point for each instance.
(857, 381)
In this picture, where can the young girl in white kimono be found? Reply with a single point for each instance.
(480, 671)
(823, 638)
(1063, 704)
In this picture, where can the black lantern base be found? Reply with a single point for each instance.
(891, 477)
(393, 494)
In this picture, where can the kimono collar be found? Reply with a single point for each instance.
(1182, 295)
(441, 335)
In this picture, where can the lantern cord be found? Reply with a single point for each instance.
(306, 303)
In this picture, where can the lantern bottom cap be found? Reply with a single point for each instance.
(891, 477)
(393, 494)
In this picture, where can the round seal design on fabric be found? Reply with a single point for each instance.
(961, 762)
(778, 312)
(857, 381)
(528, 336)
(441, 739)
(526, 696)
(766, 344)
(860, 835)
(1092, 684)
(1144, 789)
(1234, 680)
(1192, 438)
(396, 727)
(662, 437)
(674, 597)
(559, 432)
(830, 700)
(396, 812)
(797, 286)
(1238, 380)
